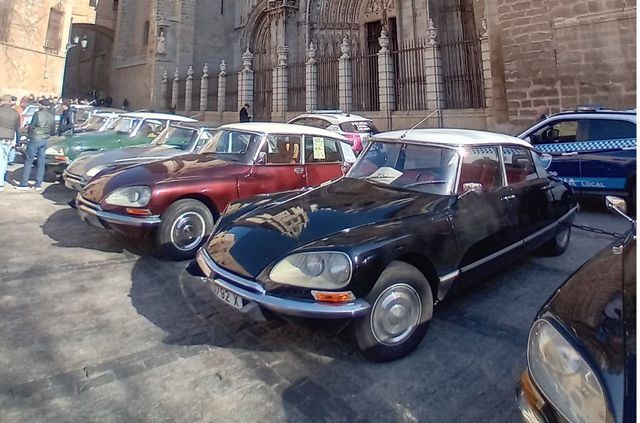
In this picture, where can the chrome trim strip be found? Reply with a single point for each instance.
(492, 256)
(541, 231)
(94, 209)
(449, 276)
(280, 305)
(576, 209)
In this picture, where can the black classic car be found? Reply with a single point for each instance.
(420, 212)
(581, 355)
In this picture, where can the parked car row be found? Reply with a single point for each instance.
(284, 219)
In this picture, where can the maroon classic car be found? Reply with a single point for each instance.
(180, 198)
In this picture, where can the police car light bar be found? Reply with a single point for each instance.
(589, 108)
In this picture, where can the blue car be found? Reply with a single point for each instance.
(593, 150)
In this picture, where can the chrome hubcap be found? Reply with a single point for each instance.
(396, 313)
(188, 231)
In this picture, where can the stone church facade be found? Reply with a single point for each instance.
(468, 63)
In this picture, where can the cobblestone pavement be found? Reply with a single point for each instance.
(97, 328)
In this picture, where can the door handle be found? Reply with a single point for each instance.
(298, 170)
(570, 153)
(508, 197)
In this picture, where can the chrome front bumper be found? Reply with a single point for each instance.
(255, 292)
(93, 214)
(72, 181)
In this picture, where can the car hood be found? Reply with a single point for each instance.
(183, 168)
(593, 306)
(122, 157)
(88, 138)
(252, 241)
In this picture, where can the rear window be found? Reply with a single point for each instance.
(359, 127)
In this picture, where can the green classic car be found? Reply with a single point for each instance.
(128, 130)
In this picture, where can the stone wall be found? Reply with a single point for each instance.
(564, 53)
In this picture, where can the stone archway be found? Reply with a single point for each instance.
(89, 70)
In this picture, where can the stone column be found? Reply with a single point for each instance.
(188, 91)
(386, 84)
(175, 90)
(164, 91)
(311, 85)
(222, 89)
(245, 81)
(204, 89)
(281, 83)
(487, 75)
(345, 77)
(433, 65)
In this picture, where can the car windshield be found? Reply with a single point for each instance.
(179, 138)
(421, 168)
(94, 123)
(123, 125)
(232, 145)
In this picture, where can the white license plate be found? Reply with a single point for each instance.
(228, 297)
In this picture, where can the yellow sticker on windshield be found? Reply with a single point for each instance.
(318, 148)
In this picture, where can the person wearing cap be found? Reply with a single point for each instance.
(9, 129)
(42, 127)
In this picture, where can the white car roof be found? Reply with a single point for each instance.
(282, 128)
(153, 115)
(335, 118)
(106, 114)
(452, 137)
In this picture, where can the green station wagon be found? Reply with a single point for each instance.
(128, 130)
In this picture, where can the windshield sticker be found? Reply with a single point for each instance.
(318, 148)
(385, 175)
(362, 126)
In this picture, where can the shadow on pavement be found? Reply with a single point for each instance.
(59, 194)
(65, 227)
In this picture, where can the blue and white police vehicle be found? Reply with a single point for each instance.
(592, 149)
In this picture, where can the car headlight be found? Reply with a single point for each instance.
(565, 378)
(95, 170)
(55, 151)
(313, 270)
(129, 197)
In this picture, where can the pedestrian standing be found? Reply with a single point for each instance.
(42, 127)
(9, 129)
(67, 119)
(541, 113)
(245, 113)
(125, 104)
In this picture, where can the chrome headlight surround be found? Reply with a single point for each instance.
(564, 376)
(135, 196)
(315, 270)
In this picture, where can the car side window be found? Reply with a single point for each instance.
(321, 150)
(518, 165)
(318, 123)
(300, 121)
(556, 132)
(282, 149)
(605, 129)
(204, 138)
(481, 165)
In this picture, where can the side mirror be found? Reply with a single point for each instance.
(617, 205)
(345, 167)
(472, 187)
(262, 158)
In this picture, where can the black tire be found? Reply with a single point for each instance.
(184, 213)
(559, 243)
(631, 199)
(398, 275)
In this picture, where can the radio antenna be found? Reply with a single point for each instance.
(404, 134)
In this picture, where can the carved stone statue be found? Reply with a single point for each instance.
(162, 44)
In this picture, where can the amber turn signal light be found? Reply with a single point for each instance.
(139, 212)
(333, 297)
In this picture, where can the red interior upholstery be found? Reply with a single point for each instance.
(485, 172)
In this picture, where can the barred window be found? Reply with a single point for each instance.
(54, 30)
(145, 34)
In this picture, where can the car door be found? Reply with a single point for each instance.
(532, 199)
(323, 159)
(484, 222)
(557, 137)
(279, 167)
(607, 154)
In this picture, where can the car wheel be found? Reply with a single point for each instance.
(185, 226)
(559, 243)
(401, 309)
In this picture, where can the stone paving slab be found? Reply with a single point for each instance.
(96, 328)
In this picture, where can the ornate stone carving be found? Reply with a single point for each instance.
(190, 73)
(223, 68)
(345, 48)
(377, 5)
(176, 75)
(384, 40)
(205, 70)
(483, 24)
(283, 53)
(247, 57)
(165, 77)
(311, 53)
(432, 33)
(161, 47)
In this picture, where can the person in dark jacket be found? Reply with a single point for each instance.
(67, 119)
(245, 113)
(42, 127)
(9, 129)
